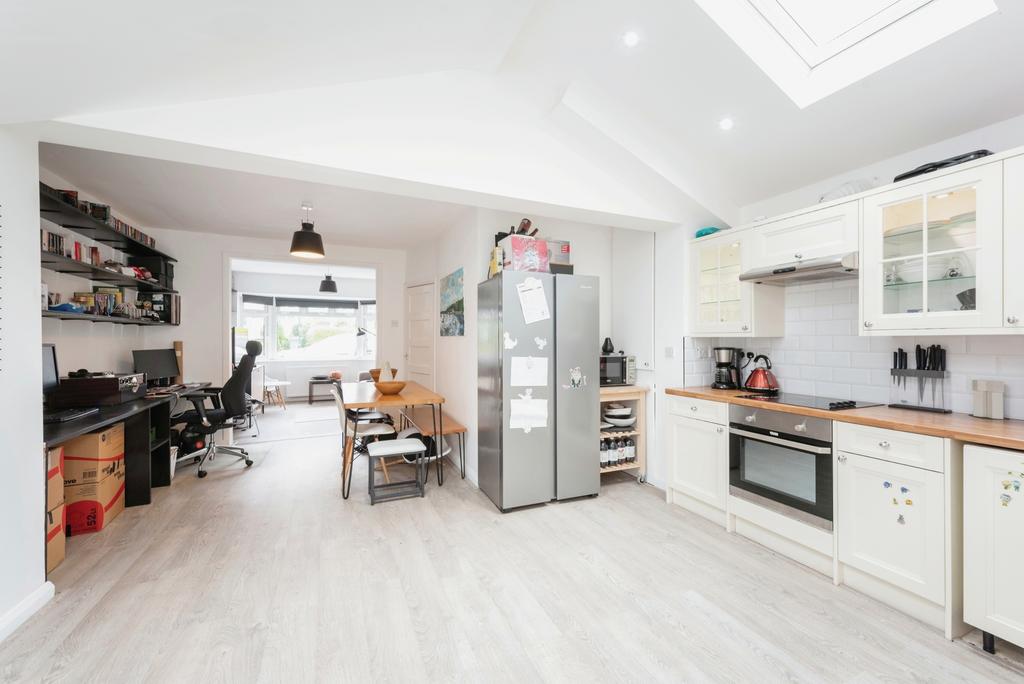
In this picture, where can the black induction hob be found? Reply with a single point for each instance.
(808, 401)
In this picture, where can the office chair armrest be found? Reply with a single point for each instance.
(198, 401)
(211, 393)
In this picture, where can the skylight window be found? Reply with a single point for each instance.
(813, 48)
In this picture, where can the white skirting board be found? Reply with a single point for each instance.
(28, 606)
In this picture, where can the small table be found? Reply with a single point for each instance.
(359, 395)
(313, 382)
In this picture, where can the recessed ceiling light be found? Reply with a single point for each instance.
(630, 39)
(726, 124)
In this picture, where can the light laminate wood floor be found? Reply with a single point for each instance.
(268, 575)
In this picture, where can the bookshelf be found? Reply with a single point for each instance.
(62, 264)
(54, 208)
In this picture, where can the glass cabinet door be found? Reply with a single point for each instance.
(932, 253)
(721, 303)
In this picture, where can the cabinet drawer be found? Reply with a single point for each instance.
(701, 409)
(919, 451)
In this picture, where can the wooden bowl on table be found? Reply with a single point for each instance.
(390, 387)
(375, 373)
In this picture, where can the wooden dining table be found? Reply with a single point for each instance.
(364, 395)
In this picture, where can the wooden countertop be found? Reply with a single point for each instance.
(613, 391)
(1008, 434)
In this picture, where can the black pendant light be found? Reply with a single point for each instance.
(328, 285)
(306, 242)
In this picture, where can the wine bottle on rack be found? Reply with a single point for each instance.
(604, 453)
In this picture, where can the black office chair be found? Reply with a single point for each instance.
(230, 402)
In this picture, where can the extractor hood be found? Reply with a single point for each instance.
(825, 268)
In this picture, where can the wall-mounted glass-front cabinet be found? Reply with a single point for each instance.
(932, 254)
(722, 305)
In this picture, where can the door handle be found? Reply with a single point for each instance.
(720, 430)
(884, 444)
(798, 256)
(1012, 320)
(693, 408)
(841, 458)
(868, 324)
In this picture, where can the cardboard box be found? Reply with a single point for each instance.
(90, 507)
(92, 457)
(524, 253)
(559, 252)
(55, 537)
(54, 478)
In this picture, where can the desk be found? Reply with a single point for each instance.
(146, 465)
(359, 395)
(421, 417)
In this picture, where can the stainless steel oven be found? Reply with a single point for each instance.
(782, 461)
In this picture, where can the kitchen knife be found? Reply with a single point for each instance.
(895, 366)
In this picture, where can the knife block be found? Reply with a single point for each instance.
(920, 390)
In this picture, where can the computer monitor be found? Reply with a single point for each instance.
(51, 378)
(159, 365)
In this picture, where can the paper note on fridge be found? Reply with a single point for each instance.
(526, 414)
(533, 301)
(529, 371)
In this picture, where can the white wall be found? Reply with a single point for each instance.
(23, 586)
(998, 137)
(301, 285)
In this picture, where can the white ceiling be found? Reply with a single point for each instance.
(66, 57)
(180, 196)
(623, 120)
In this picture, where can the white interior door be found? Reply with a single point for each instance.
(419, 344)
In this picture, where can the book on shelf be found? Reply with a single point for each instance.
(51, 242)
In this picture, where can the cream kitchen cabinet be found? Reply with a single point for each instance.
(1013, 243)
(814, 234)
(699, 479)
(993, 548)
(932, 254)
(891, 523)
(721, 305)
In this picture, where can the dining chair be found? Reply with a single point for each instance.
(371, 424)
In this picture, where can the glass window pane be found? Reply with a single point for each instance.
(729, 284)
(779, 469)
(730, 312)
(708, 287)
(729, 255)
(709, 313)
(902, 233)
(902, 289)
(951, 220)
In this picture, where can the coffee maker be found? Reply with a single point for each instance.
(727, 367)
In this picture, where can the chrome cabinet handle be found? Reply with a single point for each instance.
(720, 430)
(1012, 320)
(841, 458)
(750, 418)
(884, 444)
(868, 324)
(798, 256)
(802, 427)
(693, 408)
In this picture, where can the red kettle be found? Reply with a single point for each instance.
(762, 380)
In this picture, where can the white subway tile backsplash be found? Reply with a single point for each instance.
(822, 354)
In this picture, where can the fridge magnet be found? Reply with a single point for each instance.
(453, 315)
(510, 342)
(577, 379)
(527, 413)
(904, 490)
(895, 501)
(541, 342)
(901, 520)
(533, 301)
(887, 485)
(909, 502)
(1005, 499)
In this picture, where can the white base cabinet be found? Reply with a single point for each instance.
(994, 542)
(891, 521)
(699, 466)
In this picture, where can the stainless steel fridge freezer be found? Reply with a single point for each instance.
(538, 400)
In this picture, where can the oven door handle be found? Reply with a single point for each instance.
(757, 436)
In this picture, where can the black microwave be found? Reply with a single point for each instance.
(618, 369)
